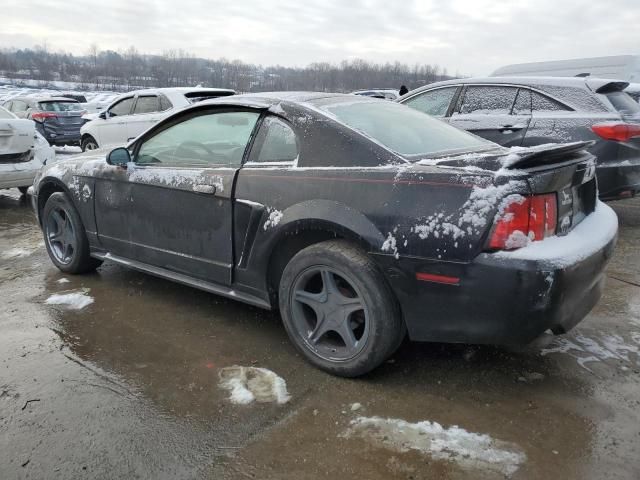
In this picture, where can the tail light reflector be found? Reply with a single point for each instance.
(531, 219)
(620, 132)
(42, 116)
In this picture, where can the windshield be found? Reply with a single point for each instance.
(60, 106)
(404, 130)
(623, 103)
(4, 114)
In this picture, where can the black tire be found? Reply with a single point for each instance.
(354, 273)
(89, 143)
(78, 259)
(23, 190)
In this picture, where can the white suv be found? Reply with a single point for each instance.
(134, 112)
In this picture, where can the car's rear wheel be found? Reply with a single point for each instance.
(338, 309)
(23, 190)
(65, 237)
(89, 143)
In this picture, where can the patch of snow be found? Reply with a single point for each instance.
(71, 301)
(517, 239)
(16, 252)
(356, 406)
(589, 236)
(249, 384)
(389, 245)
(275, 216)
(63, 280)
(85, 193)
(467, 449)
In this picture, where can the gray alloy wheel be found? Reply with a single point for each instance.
(64, 236)
(60, 235)
(329, 313)
(338, 308)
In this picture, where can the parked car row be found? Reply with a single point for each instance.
(529, 111)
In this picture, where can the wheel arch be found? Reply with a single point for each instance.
(312, 222)
(47, 187)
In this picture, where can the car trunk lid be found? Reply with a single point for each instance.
(566, 170)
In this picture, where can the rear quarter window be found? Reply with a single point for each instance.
(488, 100)
(623, 103)
(434, 102)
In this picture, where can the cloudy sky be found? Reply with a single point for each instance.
(465, 36)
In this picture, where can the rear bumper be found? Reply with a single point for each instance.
(58, 136)
(619, 179)
(507, 298)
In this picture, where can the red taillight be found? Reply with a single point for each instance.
(620, 132)
(527, 218)
(42, 116)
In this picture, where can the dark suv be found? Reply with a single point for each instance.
(58, 119)
(528, 111)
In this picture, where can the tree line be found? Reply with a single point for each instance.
(129, 69)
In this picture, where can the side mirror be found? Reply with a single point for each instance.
(103, 115)
(119, 157)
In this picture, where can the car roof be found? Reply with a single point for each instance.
(182, 90)
(590, 84)
(268, 99)
(44, 98)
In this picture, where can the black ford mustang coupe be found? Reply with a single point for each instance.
(360, 220)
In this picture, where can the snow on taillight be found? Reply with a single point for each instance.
(618, 131)
(524, 219)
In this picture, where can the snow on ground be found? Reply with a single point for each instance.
(249, 384)
(469, 450)
(63, 280)
(71, 301)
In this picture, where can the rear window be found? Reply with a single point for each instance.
(404, 130)
(60, 106)
(623, 103)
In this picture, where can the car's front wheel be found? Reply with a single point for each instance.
(64, 236)
(89, 143)
(338, 309)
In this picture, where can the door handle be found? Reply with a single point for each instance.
(208, 189)
(510, 128)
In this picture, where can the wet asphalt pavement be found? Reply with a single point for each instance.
(128, 387)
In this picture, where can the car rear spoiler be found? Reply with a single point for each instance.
(599, 85)
(544, 155)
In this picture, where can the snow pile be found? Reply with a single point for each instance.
(274, 218)
(249, 384)
(71, 301)
(467, 449)
(589, 236)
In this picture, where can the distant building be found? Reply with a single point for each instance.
(619, 67)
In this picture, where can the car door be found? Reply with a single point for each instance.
(146, 113)
(172, 208)
(437, 102)
(112, 130)
(488, 111)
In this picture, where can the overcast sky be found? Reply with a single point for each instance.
(465, 36)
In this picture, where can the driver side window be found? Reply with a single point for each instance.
(123, 107)
(202, 140)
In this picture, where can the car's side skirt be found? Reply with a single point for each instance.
(185, 280)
